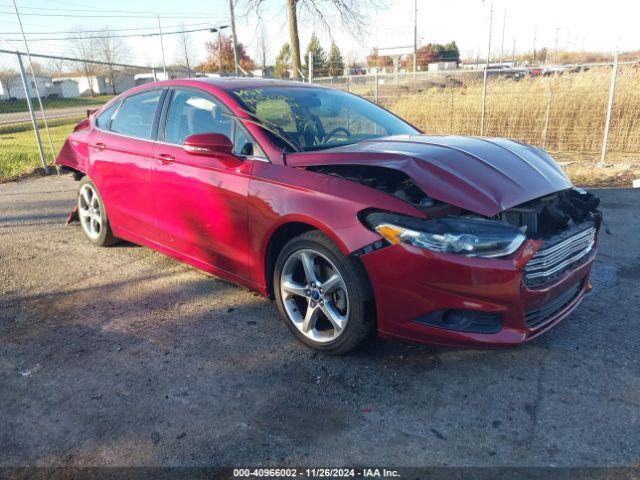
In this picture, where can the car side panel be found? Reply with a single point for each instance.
(279, 195)
(201, 206)
(120, 168)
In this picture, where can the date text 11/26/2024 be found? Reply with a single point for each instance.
(315, 472)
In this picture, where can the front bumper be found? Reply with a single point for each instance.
(409, 283)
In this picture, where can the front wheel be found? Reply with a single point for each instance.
(324, 297)
(93, 216)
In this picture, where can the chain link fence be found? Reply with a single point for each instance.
(563, 109)
(43, 97)
(585, 115)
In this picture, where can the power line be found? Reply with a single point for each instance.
(106, 29)
(92, 37)
(151, 12)
(126, 15)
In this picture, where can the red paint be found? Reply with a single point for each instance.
(409, 282)
(218, 213)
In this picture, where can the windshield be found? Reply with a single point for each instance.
(317, 118)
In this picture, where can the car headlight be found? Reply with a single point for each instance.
(466, 236)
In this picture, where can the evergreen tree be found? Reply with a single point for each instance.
(451, 52)
(335, 62)
(283, 61)
(319, 57)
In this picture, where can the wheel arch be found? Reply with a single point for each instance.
(284, 232)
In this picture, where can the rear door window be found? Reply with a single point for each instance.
(103, 120)
(136, 115)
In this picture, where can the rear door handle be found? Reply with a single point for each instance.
(165, 158)
(99, 146)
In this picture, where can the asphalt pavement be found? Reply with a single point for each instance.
(122, 356)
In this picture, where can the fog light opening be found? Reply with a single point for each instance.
(463, 321)
(458, 319)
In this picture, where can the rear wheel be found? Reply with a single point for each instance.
(92, 215)
(323, 296)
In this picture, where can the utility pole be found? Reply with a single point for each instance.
(504, 22)
(263, 47)
(415, 38)
(164, 64)
(218, 30)
(220, 50)
(490, 28)
(186, 55)
(513, 55)
(535, 32)
(555, 51)
(234, 38)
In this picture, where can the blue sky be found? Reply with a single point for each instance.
(590, 24)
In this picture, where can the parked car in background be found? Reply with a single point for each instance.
(347, 216)
(556, 69)
(505, 71)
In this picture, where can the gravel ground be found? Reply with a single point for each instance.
(122, 356)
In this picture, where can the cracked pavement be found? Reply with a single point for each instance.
(122, 356)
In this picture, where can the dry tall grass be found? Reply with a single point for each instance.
(576, 104)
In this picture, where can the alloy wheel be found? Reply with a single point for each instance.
(89, 211)
(314, 295)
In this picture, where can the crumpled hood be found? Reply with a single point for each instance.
(482, 175)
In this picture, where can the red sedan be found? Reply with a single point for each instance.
(346, 215)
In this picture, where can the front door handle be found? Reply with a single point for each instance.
(99, 146)
(165, 158)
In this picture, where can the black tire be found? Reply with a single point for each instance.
(104, 237)
(360, 314)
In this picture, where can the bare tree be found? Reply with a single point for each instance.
(56, 66)
(84, 46)
(351, 13)
(111, 50)
(7, 77)
(183, 49)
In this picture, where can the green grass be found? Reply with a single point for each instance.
(19, 152)
(27, 127)
(21, 105)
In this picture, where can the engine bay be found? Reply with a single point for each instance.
(388, 180)
(549, 215)
(539, 218)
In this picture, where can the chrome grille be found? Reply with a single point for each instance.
(558, 256)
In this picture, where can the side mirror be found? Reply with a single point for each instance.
(207, 144)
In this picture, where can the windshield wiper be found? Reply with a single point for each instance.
(271, 128)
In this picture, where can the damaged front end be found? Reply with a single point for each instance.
(499, 246)
(562, 226)
(566, 223)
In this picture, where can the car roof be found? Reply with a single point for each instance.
(234, 83)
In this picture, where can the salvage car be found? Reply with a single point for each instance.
(350, 218)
